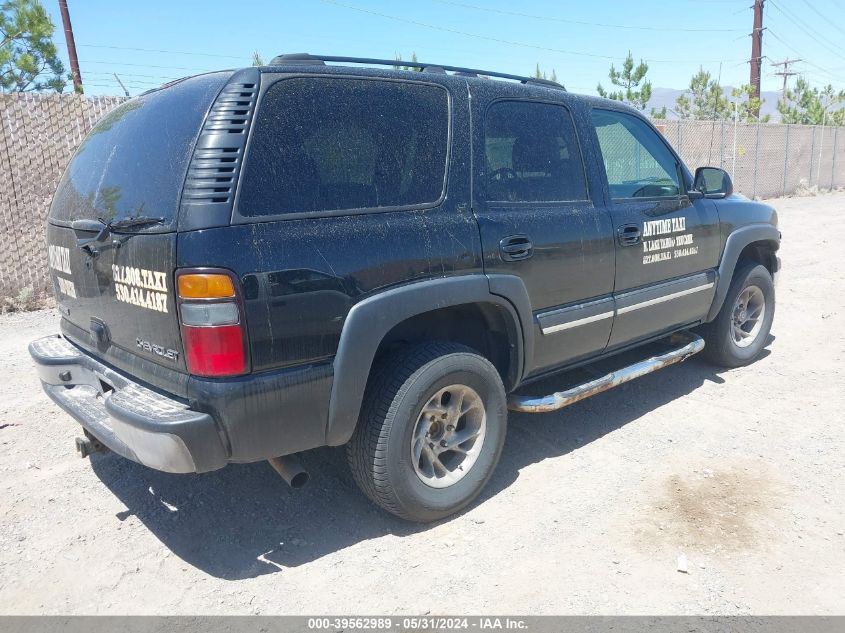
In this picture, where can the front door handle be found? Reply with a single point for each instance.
(515, 248)
(628, 234)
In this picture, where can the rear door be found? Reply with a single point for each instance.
(667, 246)
(538, 221)
(116, 296)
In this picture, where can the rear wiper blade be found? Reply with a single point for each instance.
(103, 229)
(129, 223)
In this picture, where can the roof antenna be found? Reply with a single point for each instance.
(125, 91)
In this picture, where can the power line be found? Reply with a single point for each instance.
(98, 85)
(109, 73)
(133, 83)
(196, 70)
(798, 22)
(547, 18)
(827, 20)
(810, 30)
(797, 52)
(153, 50)
(504, 41)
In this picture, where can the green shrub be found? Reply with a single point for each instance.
(25, 301)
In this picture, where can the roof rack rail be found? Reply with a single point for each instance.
(320, 60)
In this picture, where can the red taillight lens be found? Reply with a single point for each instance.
(212, 329)
(214, 351)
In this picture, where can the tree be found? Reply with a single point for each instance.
(629, 79)
(748, 104)
(28, 57)
(257, 59)
(660, 114)
(414, 59)
(811, 106)
(541, 74)
(704, 99)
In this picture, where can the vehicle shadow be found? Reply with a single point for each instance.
(244, 521)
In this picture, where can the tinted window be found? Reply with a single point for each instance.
(133, 162)
(532, 154)
(637, 162)
(332, 144)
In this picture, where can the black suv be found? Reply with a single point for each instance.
(254, 263)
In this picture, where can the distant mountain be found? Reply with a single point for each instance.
(667, 96)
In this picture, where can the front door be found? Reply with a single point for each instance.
(667, 246)
(537, 221)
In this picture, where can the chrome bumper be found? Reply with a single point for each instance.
(138, 423)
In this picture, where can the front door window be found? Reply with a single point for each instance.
(637, 162)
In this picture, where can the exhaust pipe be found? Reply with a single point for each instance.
(291, 470)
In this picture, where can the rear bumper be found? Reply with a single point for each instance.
(138, 423)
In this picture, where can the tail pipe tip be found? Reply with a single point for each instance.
(291, 470)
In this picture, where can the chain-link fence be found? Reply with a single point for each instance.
(764, 159)
(40, 133)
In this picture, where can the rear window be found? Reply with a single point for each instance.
(337, 144)
(133, 162)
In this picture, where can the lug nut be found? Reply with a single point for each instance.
(449, 427)
(443, 443)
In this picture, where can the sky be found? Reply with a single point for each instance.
(147, 43)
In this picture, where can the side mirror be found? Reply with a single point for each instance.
(713, 182)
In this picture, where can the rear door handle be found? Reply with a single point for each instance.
(515, 248)
(628, 234)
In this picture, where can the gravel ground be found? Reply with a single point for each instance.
(740, 471)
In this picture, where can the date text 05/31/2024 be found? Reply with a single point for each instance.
(418, 623)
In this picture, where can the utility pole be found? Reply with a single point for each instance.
(757, 49)
(786, 74)
(71, 47)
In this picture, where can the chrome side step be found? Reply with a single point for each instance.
(690, 344)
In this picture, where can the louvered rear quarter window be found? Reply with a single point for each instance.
(134, 160)
(334, 144)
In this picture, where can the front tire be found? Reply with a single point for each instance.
(739, 332)
(431, 431)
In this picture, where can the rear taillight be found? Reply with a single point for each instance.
(211, 316)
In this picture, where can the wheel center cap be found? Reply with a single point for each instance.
(743, 316)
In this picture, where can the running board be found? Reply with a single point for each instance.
(690, 344)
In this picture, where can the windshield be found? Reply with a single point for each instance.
(133, 162)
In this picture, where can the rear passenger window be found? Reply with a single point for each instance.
(532, 154)
(335, 144)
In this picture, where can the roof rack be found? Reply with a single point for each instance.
(306, 59)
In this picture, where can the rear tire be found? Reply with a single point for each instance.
(739, 332)
(431, 430)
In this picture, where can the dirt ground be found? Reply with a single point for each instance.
(740, 471)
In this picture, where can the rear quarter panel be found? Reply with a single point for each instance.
(301, 277)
